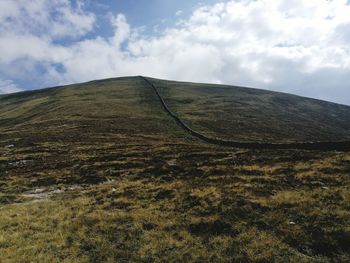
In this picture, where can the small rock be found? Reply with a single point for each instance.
(10, 146)
(19, 163)
(109, 181)
(171, 162)
(292, 223)
(74, 187)
(325, 187)
(58, 191)
(114, 190)
(39, 190)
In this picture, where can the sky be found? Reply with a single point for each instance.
(294, 46)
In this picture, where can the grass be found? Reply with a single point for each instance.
(242, 114)
(101, 174)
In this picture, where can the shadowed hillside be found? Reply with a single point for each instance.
(245, 114)
(99, 172)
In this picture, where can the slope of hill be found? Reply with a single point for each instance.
(99, 172)
(227, 112)
(245, 114)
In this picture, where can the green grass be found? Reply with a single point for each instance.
(243, 114)
(98, 172)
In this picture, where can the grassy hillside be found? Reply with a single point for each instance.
(98, 172)
(243, 114)
(125, 106)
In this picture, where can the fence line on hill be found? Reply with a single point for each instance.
(324, 146)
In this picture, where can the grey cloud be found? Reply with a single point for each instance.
(7, 86)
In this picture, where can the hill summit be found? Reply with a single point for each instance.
(217, 111)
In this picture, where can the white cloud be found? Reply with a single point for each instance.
(7, 86)
(178, 12)
(122, 30)
(298, 46)
(54, 18)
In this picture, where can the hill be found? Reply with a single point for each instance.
(218, 111)
(246, 114)
(99, 172)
